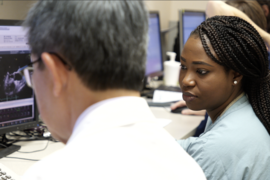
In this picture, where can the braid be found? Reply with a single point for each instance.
(239, 46)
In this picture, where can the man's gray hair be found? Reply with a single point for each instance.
(104, 41)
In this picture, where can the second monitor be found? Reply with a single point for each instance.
(189, 21)
(154, 62)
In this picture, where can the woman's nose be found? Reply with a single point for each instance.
(188, 80)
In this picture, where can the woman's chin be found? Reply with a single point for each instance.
(194, 107)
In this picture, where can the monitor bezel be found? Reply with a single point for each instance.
(157, 73)
(181, 28)
(27, 125)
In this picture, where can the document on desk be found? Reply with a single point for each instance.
(163, 122)
(166, 96)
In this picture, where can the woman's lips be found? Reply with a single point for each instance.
(188, 96)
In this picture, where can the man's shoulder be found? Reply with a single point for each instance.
(144, 151)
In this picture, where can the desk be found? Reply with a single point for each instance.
(20, 166)
(181, 127)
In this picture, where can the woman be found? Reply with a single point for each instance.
(224, 69)
(254, 11)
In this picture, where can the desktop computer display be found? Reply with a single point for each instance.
(17, 102)
(154, 63)
(189, 21)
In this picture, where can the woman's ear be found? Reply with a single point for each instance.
(237, 77)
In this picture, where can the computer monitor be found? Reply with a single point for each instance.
(154, 62)
(189, 20)
(18, 108)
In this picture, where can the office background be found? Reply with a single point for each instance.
(168, 11)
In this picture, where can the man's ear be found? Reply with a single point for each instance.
(57, 72)
(265, 10)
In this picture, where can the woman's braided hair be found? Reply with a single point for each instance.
(239, 47)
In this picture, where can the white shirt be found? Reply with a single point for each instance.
(118, 139)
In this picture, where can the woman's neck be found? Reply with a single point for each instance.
(215, 113)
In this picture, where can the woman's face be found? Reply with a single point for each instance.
(205, 84)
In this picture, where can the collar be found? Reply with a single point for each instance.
(236, 104)
(236, 99)
(94, 106)
(110, 113)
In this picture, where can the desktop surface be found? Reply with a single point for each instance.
(21, 166)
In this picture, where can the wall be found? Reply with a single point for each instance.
(16, 10)
(164, 11)
(168, 10)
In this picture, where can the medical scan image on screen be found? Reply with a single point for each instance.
(12, 85)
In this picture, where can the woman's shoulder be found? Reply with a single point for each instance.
(221, 152)
(238, 122)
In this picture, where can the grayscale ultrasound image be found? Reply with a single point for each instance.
(12, 84)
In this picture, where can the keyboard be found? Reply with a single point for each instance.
(169, 88)
(150, 92)
(7, 174)
(160, 104)
(15, 113)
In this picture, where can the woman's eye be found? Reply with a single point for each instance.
(202, 71)
(183, 67)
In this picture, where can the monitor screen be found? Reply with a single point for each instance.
(17, 103)
(191, 20)
(154, 63)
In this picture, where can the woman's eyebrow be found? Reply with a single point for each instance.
(200, 62)
(196, 62)
(183, 59)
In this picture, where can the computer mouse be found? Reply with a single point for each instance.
(179, 110)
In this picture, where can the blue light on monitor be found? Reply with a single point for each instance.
(154, 51)
(191, 20)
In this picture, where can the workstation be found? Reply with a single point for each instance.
(82, 101)
(20, 112)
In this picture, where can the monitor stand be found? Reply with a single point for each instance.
(7, 148)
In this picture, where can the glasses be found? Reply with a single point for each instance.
(27, 71)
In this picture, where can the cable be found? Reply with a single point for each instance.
(22, 158)
(3, 145)
(36, 150)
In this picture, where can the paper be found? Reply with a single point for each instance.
(166, 96)
(163, 122)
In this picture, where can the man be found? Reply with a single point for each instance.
(265, 4)
(88, 61)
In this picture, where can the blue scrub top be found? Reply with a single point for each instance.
(236, 146)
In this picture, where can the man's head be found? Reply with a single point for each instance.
(104, 41)
(252, 9)
(102, 45)
(265, 4)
